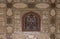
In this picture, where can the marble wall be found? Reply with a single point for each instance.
(11, 12)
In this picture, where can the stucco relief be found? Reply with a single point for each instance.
(11, 12)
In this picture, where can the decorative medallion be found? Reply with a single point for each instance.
(9, 12)
(9, 29)
(52, 29)
(2, 5)
(20, 5)
(53, 1)
(42, 5)
(52, 12)
(9, 1)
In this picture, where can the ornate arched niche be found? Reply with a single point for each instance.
(31, 22)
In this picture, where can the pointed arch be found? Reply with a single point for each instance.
(31, 21)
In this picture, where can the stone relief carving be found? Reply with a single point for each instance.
(7, 8)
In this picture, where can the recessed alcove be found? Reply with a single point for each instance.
(31, 22)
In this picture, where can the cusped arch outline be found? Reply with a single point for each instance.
(26, 24)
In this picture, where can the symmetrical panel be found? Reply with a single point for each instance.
(31, 22)
(16, 17)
